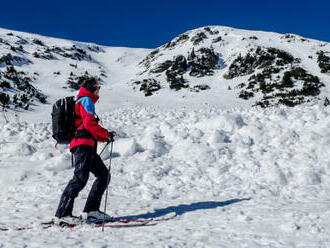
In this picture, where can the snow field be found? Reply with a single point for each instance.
(236, 178)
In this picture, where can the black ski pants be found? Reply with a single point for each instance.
(85, 160)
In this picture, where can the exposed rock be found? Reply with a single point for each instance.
(198, 38)
(176, 82)
(38, 42)
(20, 83)
(180, 39)
(324, 62)
(73, 52)
(203, 62)
(95, 48)
(210, 31)
(17, 49)
(13, 60)
(4, 100)
(200, 87)
(148, 86)
(289, 37)
(219, 38)
(261, 58)
(162, 67)
(21, 41)
(149, 58)
(296, 87)
(47, 56)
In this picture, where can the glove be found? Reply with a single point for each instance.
(112, 136)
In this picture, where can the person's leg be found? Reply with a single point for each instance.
(99, 186)
(82, 160)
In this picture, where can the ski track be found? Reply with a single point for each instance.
(236, 178)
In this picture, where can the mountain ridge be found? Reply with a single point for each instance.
(247, 67)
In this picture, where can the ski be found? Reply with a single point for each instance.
(47, 225)
(129, 220)
(117, 223)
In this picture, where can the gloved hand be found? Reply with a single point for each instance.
(111, 138)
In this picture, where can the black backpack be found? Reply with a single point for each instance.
(63, 116)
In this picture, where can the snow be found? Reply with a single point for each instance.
(236, 176)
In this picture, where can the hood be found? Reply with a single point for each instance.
(84, 92)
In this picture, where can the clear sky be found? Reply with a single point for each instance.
(149, 24)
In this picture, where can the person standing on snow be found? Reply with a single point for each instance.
(85, 158)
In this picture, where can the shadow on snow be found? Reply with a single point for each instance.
(184, 208)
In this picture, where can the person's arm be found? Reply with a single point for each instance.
(89, 121)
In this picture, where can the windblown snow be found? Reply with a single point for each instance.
(236, 176)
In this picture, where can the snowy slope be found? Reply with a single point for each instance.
(236, 176)
(54, 66)
(232, 62)
(202, 164)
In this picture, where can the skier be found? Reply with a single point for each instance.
(85, 158)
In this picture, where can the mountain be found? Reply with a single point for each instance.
(36, 70)
(213, 65)
(266, 68)
(189, 140)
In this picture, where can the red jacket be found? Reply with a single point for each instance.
(85, 108)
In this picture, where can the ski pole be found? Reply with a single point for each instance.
(108, 182)
(104, 148)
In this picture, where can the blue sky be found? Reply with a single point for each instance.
(150, 24)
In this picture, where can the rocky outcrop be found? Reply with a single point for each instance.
(203, 62)
(19, 82)
(9, 59)
(147, 86)
(259, 59)
(323, 62)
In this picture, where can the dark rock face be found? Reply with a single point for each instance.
(148, 86)
(73, 52)
(218, 39)
(198, 38)
(162, 67)
(4, 100)
(203, 62)
(21, 41)
(174, 73)
(260, 59)
(200, 87)
(180, 65)
(95, 48)
(179, 40)
(13, 60)
(210, 31)
(44, 55)
(274, 75)
(19, 82)
(289, 37)
(176, 82)
(324, 62)
(285, 91)
(76, 54)
(295, 87)
(150, 58)
(38, 42)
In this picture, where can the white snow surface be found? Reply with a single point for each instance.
(236, 176)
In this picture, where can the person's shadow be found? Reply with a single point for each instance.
(183, 208)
